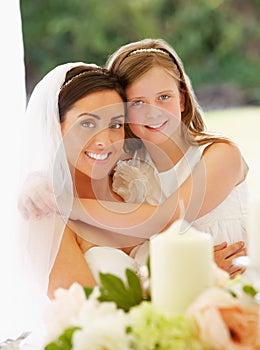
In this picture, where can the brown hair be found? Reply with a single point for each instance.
(133, 60)
(84, 80)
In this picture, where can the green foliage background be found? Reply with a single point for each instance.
(218, 40)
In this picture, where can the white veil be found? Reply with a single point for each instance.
(43, 152)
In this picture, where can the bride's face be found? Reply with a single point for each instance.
(93, 133)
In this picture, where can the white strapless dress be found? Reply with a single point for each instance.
(226, 222)
(115, 261)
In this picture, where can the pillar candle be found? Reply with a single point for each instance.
(181, 261)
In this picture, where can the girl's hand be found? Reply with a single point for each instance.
(224, 255)
(37, 198)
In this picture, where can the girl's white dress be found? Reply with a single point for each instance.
(227, 222)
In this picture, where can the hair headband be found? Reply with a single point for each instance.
(155, 50)
(82, 73)
(148, 50)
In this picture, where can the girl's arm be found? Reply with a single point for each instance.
(139, 220)
(220, 169)
(224, 255)
(218, 172)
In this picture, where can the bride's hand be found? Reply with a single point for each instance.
(224, 255)
(36, 199)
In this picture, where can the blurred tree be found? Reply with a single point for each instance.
(62, 30)
(218, 40)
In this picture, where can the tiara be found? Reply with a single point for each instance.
(70, 80)
(80, 74)
(149, 50)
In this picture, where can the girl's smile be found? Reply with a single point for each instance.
(156, 127)
(154, 105)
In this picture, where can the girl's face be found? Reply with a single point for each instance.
(154, 105)
(93, 133)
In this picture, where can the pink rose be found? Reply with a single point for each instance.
(223, 323)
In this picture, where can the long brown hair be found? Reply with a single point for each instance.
(133, 60)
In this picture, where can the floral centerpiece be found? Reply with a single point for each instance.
(117, 315)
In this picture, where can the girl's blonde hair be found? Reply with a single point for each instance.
(133, 60)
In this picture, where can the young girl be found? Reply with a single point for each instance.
(205, 171)
(173, 132)
(201, 171)
(208, 171)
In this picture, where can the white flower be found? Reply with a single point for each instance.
(143, 274)
(221, 276)
(94, 294)
(62, 312)
(91, 311)
(137, 181)
(103, 327)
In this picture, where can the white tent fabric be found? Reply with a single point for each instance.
(13, 101)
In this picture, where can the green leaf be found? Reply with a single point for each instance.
(113, 289)
(134, 286)
(234, 295)
(64, 340)
(88, 291)
(149, 265)
(249, 289)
